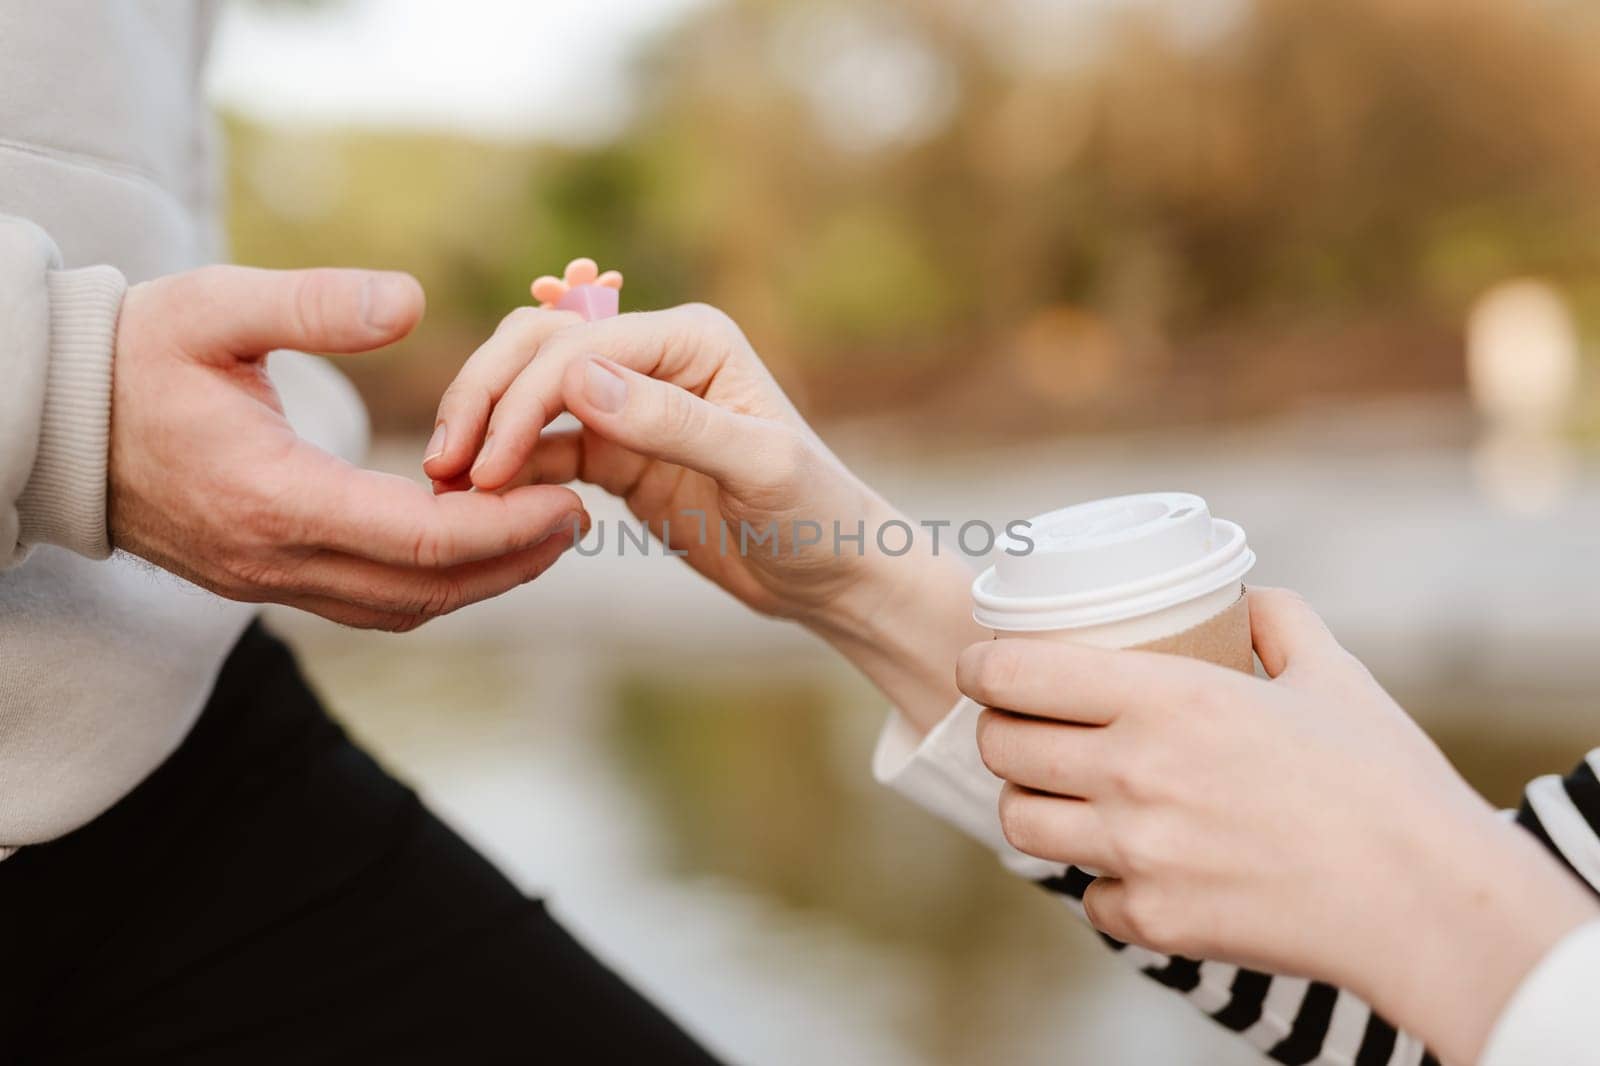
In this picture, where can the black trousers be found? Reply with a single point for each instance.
(270, 895)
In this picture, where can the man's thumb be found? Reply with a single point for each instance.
(246, 313)
(666, 422)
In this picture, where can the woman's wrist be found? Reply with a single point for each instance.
(1477, 905)
(903, 621)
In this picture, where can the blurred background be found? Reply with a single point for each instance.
(1334, 266)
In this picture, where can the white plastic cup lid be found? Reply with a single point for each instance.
(1109, 560)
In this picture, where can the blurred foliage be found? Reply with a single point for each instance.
(758, 780)
(1011, 214)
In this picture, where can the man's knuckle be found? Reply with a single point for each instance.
(202, 282)
(255, 573)
(440, 597)
(308, 301)
(426, 548)
(267, 523)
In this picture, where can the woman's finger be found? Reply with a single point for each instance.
(1077, 683)
(660, 420)
(1056, 829)
(1056, 757)
(655, 418)
(686, 346)
(483, 379)
(579, 455)
(1105, 904)
(1283, 627)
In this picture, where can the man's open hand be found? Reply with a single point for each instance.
(208, 480)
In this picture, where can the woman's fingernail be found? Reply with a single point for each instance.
(603, 386)
(484, 453)
(435, 444)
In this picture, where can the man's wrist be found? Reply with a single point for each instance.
(64, 502)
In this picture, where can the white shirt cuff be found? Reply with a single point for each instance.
(1554, 1015)
(944, 774)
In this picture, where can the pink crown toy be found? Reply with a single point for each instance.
(582, 288)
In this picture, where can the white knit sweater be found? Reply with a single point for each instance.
(107, 172)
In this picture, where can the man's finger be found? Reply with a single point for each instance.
(1062, 758)
(429, 593)
(464, 409)
(245, 313)
(1283, 626)
(393, 520)
(356, 617)
(1075, 683)
(1055, 828)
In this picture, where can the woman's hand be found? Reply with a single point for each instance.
(1302, 825)
(683, 421)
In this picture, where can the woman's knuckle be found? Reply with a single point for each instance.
(992, 742)
(999, 666)
(680, 416)
(1146, 847)
(1015, 823)
(521, 321)
(1152, 920)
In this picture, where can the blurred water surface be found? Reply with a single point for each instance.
(689, 784)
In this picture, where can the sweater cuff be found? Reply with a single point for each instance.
(1554, 1015)
(64, 502)
(943, 773)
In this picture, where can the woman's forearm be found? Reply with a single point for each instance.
(902, 625)
(1473, 908)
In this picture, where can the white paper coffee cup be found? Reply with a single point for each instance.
(1152, 571)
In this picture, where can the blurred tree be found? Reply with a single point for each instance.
(1016, 211)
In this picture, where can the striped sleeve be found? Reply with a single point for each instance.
(1293, 1021)
(1290, 1019)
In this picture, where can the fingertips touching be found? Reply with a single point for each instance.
(460, 483)
(463, 413)
(508, 448)
(464, 410)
